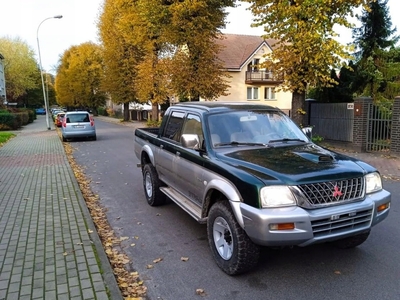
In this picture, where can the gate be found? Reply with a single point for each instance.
(332, 121)
(379, 122)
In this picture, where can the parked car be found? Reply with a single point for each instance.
(40, 111)
(249, 173)
(59, 119)
(55, 112)
(78, 124)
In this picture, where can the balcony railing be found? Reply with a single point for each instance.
(262, 77)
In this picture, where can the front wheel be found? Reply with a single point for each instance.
(231, 248)
(151, 185)
(352, 241)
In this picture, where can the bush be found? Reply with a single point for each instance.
(102, 111)
(8, 121)
(151, 123)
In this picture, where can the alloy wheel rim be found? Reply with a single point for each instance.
(223, 239)
(148, 185)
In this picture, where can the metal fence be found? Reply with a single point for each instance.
(379, 122)
(332, 121)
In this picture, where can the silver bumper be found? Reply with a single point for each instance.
(313, 226)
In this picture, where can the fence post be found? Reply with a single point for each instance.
(360, 122)
(395, 130)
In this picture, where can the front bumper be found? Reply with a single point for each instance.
(313, 226)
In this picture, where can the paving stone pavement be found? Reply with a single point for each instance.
(49, 247)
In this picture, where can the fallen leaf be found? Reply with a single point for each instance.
(136, 237)
(200, 292)
(184, 258)
(65, 253)
(158, 214)
(139, 223)
(124, 238)
(337, 272)
(149, 267)
(79, 243)
(157, 260)
(90, 231)
(133, 245)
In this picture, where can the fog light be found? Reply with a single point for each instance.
(282, 226)
(383, 207)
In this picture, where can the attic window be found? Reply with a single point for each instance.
(253, 66)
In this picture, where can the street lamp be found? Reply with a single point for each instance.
(41, 69)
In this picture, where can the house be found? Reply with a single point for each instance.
(242, 55)
(2, 81)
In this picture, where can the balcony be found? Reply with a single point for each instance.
(262, 77)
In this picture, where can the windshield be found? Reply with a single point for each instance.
(253, 126)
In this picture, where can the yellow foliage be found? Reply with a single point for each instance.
(307, 49)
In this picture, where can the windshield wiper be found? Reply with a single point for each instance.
(234, 143)
(287, 140)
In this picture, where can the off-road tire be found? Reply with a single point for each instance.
(352, 241)
(244, 253)
(151, 185)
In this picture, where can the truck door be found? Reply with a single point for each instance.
(167, 159)
(190, 168)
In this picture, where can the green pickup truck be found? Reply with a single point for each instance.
(249, 173)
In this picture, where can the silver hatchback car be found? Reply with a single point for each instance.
(78, 124)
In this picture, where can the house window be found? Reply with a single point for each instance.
(269, 93)
(252, 93)
(254, 65)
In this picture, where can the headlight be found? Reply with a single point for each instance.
(276, 196)
(373, 183)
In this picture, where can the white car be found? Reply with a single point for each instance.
(78, 124)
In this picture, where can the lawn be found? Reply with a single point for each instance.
(5, 136)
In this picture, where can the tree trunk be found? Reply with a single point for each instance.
(126, 111)
(298, 113)
(154, 112)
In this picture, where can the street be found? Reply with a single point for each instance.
(170, 250)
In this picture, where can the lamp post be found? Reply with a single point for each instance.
(41, 69)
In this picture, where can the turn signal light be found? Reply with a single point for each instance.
(282, 226)
(383, 207)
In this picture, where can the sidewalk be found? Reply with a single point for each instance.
(49, 247)
(386, 163)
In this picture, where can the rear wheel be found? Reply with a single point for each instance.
(231, 248)
(151, 185)
(352, 241)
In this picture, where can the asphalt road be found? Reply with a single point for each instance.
(371, 271)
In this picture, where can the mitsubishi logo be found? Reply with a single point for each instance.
(337, 193)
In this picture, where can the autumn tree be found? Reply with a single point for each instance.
(307, 48)
(121, 56)
(20, 68)
(196, 70)
(145, 25)
(79, 75)
(377, 67)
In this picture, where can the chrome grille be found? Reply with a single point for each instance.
(333, 192)
(342, 223)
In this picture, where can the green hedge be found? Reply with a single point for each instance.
(8, 121)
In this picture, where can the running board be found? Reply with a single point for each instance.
(192, 209)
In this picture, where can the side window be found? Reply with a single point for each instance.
(193, 126)
(173, 127)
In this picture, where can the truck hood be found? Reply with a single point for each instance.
(296, 164)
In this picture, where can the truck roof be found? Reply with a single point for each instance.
(213, 106)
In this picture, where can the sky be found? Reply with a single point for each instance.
(21, 18)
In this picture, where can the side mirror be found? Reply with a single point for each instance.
(307, 131)
(190, 141)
